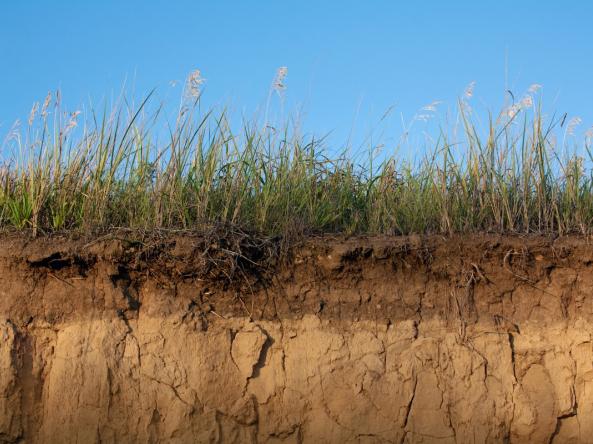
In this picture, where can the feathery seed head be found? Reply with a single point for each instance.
(72, 122)
(423, 117)
(432, 107)
(469, 90)
(278, 83)
(513, 110)
(46, 104)
(194, 82)
(14, 133)
(526, 102)
(33, 113)
(572, 124)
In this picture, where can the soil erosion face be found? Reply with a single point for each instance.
(184, 339)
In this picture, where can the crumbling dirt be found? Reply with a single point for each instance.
(182, 338)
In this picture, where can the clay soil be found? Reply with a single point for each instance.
(185, 338)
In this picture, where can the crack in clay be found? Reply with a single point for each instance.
(559, 425)
(511, 339)
(409, 410)
(171, 386)
(263, 354)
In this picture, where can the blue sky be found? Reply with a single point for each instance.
(348, 61)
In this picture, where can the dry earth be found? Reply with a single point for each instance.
(364, 340)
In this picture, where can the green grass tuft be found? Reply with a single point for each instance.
(112, 171)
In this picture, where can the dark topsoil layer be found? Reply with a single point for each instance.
(499, 279)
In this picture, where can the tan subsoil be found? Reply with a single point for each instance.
(469, 339)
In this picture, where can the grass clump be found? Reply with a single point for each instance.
(113, 171)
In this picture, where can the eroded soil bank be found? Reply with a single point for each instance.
(181, 339)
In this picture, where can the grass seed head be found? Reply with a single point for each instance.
(194, 83)
(432, 107)
(513, 110)
(33, 113)
(469, 90)
(46, 103)
(572, 124)
(72, 122)
(278, 83)
(526, 102)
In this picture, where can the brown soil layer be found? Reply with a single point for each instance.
(184, 338)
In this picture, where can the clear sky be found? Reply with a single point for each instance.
(348, 61)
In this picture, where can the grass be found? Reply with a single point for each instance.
(113, 171)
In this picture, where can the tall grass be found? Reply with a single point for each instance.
(111, 170)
